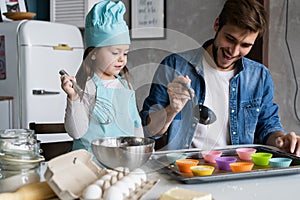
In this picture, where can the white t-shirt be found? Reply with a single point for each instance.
(208, 137)
(114, 83)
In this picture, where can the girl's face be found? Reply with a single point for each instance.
(110, 60)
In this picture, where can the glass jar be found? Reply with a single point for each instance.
(18, 142)
(19, 158)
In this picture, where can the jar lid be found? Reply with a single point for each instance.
(20, 157)
(18, 144)
(16, 133)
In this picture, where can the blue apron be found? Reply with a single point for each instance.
(116, 104)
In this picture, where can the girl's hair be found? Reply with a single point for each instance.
(86, 70)
(246, 14)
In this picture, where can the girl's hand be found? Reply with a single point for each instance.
(178, 93)
(67, 86)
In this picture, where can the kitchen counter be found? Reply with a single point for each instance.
(271, 187)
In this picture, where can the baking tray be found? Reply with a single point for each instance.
(221, 175)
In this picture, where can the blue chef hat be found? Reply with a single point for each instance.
(105, 26)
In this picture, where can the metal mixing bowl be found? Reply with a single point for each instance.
(131, 152)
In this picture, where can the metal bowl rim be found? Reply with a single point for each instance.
(98, 141)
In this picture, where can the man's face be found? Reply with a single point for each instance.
(230, 44)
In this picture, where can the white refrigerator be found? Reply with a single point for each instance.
(31, 54)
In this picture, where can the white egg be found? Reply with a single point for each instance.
(108, 171)
(113, 193)
(135, 179)
(129, 182)
(126, 171)
(113, 179)
(141, 173)
(106, 184)
(92, 192)
(123, 188)
(138, 170)
(119, 169)
(99, 182)
(113, 173)
(120, 175)
(106, 177)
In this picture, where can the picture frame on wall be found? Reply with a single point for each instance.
(148, 19)
(11, 6)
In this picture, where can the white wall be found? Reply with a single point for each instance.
(280, 62)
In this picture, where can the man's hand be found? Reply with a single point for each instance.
(289, 143)
(178, 93)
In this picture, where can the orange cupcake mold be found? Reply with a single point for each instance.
(185, 165)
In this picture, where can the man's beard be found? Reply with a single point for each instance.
(214, 52)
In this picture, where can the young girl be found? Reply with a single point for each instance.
(108, 105)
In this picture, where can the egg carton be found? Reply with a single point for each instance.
(70, 174)
(142, 190)
(119, 184)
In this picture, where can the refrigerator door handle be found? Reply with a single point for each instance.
(44, 92)
(63, 47)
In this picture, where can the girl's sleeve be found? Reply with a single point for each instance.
(77, 112)
(76, 118)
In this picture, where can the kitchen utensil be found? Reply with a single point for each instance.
(261, 158)
(131, 152)
(76, 87)
(210, 156)
(244, 153)
(104, 109)
(202, 170)
(192, 150)
(280, 162)
(172, 157)
(185, 165)
(223, 162)
(241, 166)
(201, 113)
(220, 175)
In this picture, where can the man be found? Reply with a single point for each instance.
(237, 89)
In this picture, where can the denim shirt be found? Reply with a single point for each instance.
(253, 114)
